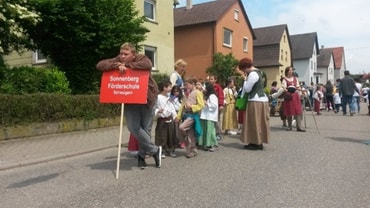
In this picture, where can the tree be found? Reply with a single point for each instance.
(223, 67)
(14, 14)
(75, 35)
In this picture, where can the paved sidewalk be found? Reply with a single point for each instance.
(33, 150)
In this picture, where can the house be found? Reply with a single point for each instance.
(340, 62)
(159, 43)
(28, 58)
(272, 51)
(204, 29)
(158, 46)
(305, 49)
(326, 65)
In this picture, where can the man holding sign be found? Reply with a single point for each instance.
(138, 116)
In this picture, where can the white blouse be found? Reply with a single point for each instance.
(163, 102)
(210, 110)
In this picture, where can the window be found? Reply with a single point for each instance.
(228, 38)
(38, 57)
(149, 9)
(281, 54)
(286, 56)
(236, 15)
(245, 44)
(151, 53)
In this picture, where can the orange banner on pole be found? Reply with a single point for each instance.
(128, 87)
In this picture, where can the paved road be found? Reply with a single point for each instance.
(330, 169)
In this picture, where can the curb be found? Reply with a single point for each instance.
(51, 158)
(40, 129)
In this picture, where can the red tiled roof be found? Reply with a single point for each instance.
(205, 13)
(201, 13)
(338, 53)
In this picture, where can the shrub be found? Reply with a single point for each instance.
(159, 77)
(28, 80)
(47, 107)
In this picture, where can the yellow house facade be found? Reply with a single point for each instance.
(285, 56)
(272, 51)
(159, 43)
(28, 58)
(158, 46)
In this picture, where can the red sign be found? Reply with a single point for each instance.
(128, 87)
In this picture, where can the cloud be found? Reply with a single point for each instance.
(338, 23)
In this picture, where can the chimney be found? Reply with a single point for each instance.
(189, 4)
(322, 46)
(175, 3)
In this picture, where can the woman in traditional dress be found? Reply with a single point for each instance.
(256, 127)
(292, 102)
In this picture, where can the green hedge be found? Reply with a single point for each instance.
(46, 107)
(26, 79)
(27, 101)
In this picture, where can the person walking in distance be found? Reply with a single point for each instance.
(347, 88)
(329, 95)
(337, 101)
(357, 96)
(138, 116)
(318, 96)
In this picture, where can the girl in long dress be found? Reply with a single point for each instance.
(229, 121)
(208, 118)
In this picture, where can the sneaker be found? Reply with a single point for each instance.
(158, 157)
(219, 137)
(163, 156)
(191, 155)
(230, 132)
(173, 154)
(212, 149)
(141, 162)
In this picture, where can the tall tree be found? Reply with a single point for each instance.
(77, 34)
(14, 14)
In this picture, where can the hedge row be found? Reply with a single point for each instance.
(46, 107)
(28, 79)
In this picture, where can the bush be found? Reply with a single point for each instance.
(46, 107)
(28, 80)
(159, 77)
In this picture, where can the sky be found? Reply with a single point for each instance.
(338, 23)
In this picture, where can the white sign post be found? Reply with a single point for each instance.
(119, 143)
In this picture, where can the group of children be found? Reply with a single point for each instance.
(318, 97)
(189, 116)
